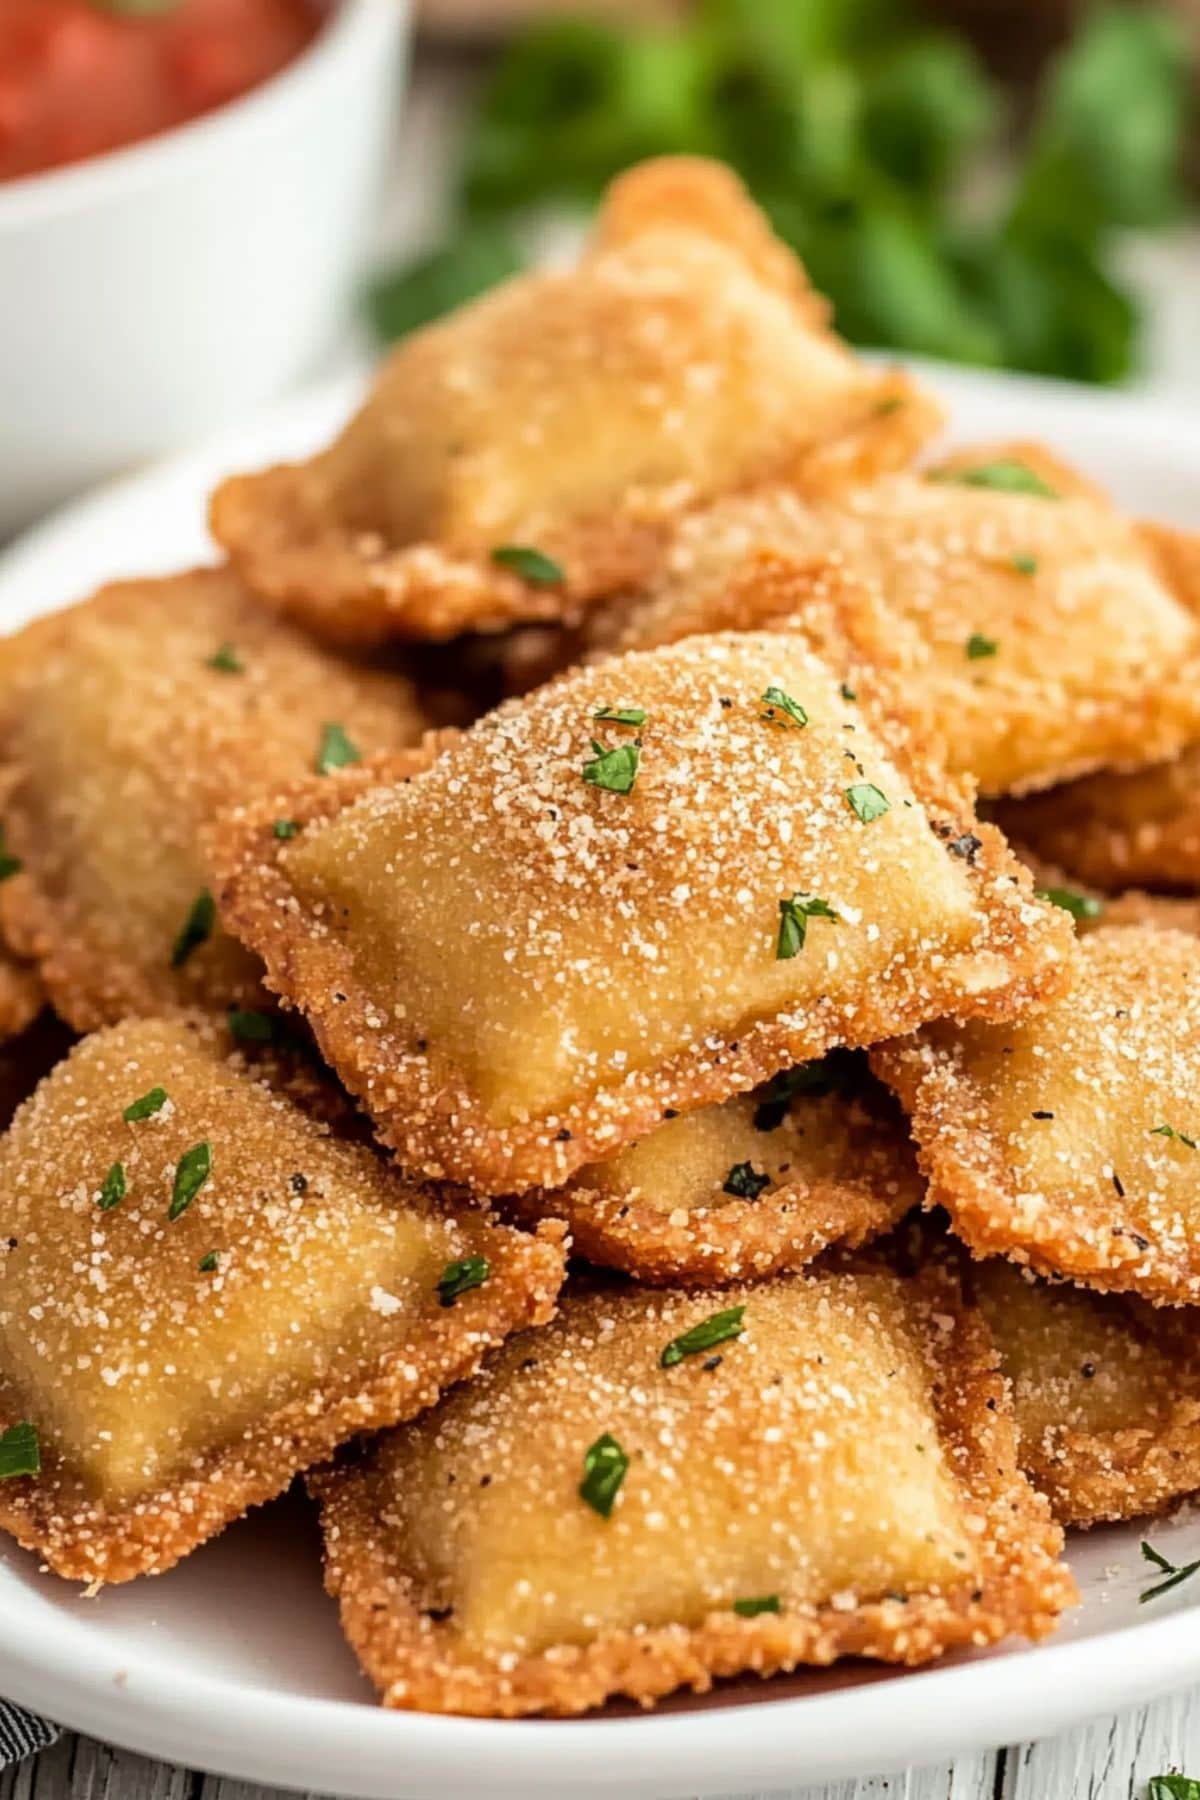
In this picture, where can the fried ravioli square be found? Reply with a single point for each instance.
(125, 722)
(525, 456)
(1033, 627)
(616, 1507)
(765, 1181)
(1067, 1139)
(203, 1292)
(1106, 1393)
(653, 884)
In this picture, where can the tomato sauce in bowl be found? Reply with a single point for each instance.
(79, 77)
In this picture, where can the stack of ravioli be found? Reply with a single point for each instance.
(619, 989)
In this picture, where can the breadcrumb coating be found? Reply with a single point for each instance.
(750, 1531)
(1106, 1393)
(1033, 631)
(1066, 1140)
(763, 1182)
(203, 1292)
(574, 414)
(126, 722)
(518, 967)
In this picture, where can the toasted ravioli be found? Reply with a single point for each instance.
(1066, 1140)
(22, 994)
(127, 721)
(762, 1182)
(521, 956)
(202, 1298)
(581, 1521)
(1106, 1393)
(1033, 631)
(527, 455)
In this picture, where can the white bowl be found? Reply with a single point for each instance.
(151, 294)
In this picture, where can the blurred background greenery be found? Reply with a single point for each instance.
(945, 211)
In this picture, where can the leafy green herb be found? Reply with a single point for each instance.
(743, 1181)
(750, 1609)
(1173, 1787)
(1169, 1131)
(461, 1276)
(1007, 475)
(225, 658)
(336, 750)
(1080, 906)
(530, 564)
(776, 1096)
(979, 646)
(794, 915)
(1174, 1574)
(775, 702)
(9, 864)
(196, 929)
(209, 1262)
(250, 1027)
(285, 828)
(145, 1106)
(615, 769)
(604, 1469)
(847, 692)
(191, 1172)
(1025, 565)
(867, 802)
(622, 715)
(20, 1453)
(719, 1328)
(112, 1188)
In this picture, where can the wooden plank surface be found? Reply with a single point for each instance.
(1110, 1760)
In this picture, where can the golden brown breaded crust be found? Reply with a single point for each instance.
(579, 1608)
(22, 993)
(1035, 634)
(1045, 464)
(181, 1363)
(577, 413)
(761, 1183)
(119, 740)
(1091, 908)
(1106, 1393)
(1116, 830)
(1065, 1140)
(517, 971)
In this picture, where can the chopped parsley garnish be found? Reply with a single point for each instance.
(847, 692)
(1173, 1574)
(336, 751)
(249, 1027)
(979, 646)
(750, 1609)
(781, 709)
(285, 828)
(19, 1451)
(794, 915)
(1173, 1787)
(622, 715)
(776, 1096)
(615, 769)
(112, 1188)
(717, 1329)
(191, 1172)
(1025, 565)
(461, 1276)
(604, 1468)
(1080, 906)
(867, 802)
(530, 564)
(145, 1106)
(1007, 475)
(197, 928)
(1169, 1131)
(226, 659)
(208, 1263)
(9, 864)
(743, 1181)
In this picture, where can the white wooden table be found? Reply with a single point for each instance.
(1111, 1760)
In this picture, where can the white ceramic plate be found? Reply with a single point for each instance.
(233, 1662)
